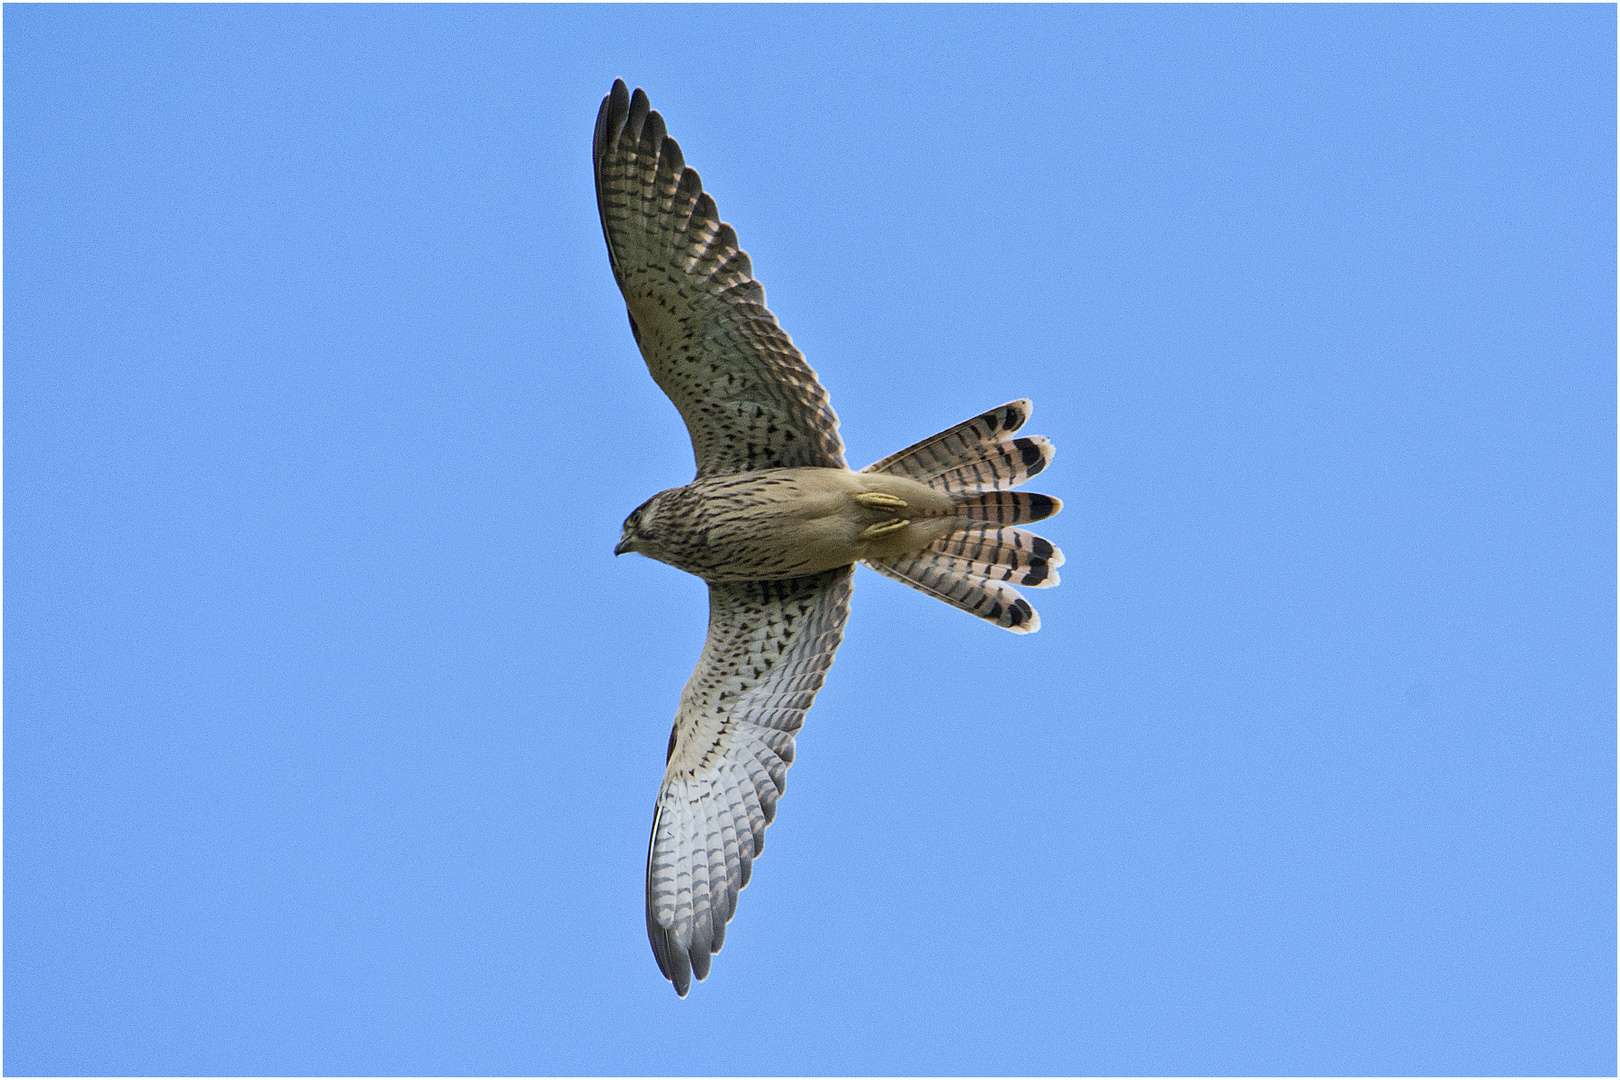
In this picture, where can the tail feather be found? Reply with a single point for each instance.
(996, 467)
(993, 601)
(1010, 555)
(976, 567)
(963, 443)
(1008, 507)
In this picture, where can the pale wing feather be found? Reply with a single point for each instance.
(749, 399)
(769, 647)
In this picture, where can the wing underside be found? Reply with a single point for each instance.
(769, 646)
(749, 399)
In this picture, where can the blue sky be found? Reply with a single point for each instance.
(333, 726)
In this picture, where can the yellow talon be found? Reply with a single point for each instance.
(878, 500)
(883, 528)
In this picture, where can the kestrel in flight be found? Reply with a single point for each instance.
(774, 522)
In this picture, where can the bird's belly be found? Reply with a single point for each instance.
(780, 523)
(793, 550)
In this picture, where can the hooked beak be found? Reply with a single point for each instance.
(622, 546)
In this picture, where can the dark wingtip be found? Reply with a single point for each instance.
(640, 106)
(610, 118)
(673, 961)
(681, 977)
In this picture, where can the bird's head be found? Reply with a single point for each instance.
(637, 527)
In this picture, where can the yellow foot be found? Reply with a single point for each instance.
(883, 528)
(877, 500)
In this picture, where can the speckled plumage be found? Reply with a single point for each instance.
(774, 522)
(746, 394)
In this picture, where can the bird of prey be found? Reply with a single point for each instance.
(774, 522)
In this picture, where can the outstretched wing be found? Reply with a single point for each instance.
(748, 398)
(769, 647)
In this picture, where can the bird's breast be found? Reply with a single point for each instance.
(768, 524)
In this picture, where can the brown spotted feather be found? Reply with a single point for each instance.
(749, 399)
(769, 647)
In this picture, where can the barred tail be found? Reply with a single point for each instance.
(976, 567)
